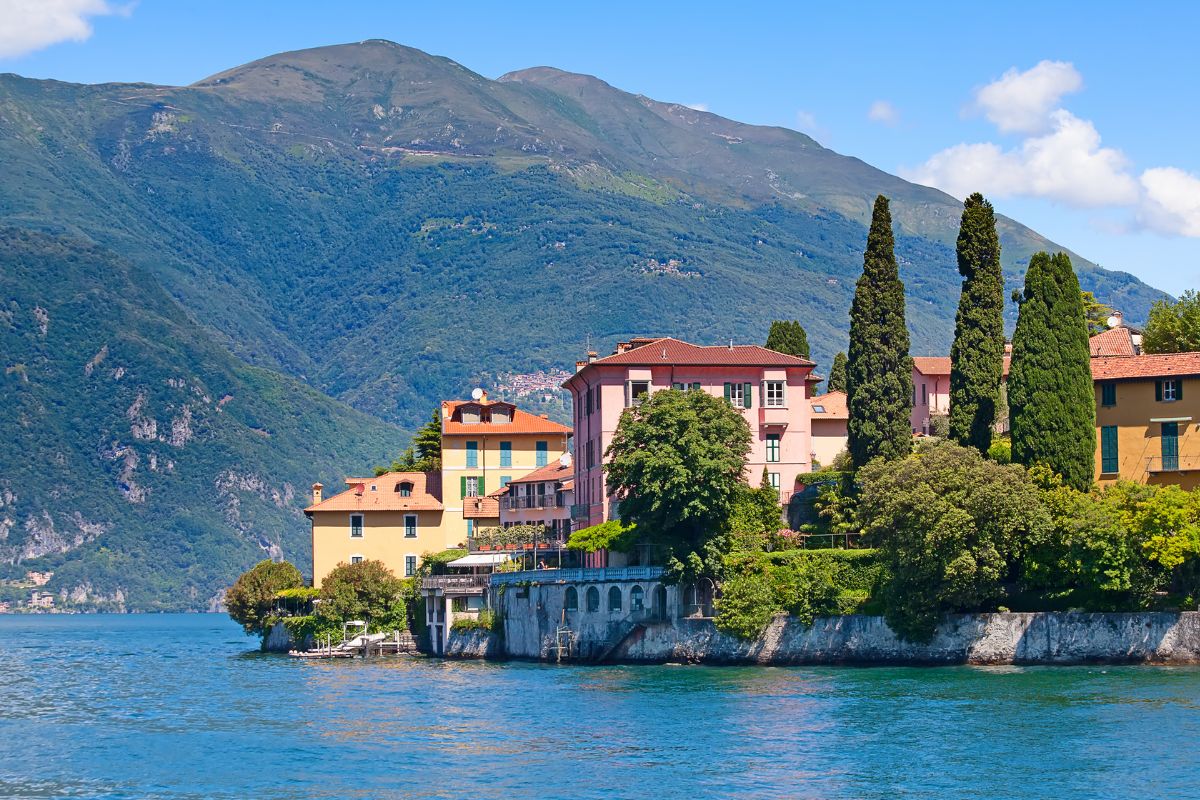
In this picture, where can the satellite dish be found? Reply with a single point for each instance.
(476, 394)
(1115, 321)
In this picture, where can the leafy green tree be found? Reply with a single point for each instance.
(948, 525)
(676, 462)
(837, 374)
(252, 595)
(1096, 313)
(879, 369)
(747, 604)
(1050, 393)
(1173, 327)
(425, 452)
(610, 535)
(977, 355)
(367, 591)
(756, 513)
(788, 337)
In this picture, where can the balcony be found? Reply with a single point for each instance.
(459, 584)
(773, 416)
(1159, 464)
(536, 501)
(585, 575)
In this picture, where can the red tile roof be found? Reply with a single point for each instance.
(522, 421)
(551, 472)
(940, 365)
(1166, 365)
(426, 494)
(670, 351)
(834, 404)
(481, 508)
(1113, 342)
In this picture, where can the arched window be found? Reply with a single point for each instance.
(571, 600)
(405, 489)
(660, 601)
(637, 599)
(614, 599)
(593, 599)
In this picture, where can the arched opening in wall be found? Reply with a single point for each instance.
(706, 590)
(571, 599)
(687, 600)
(659, 602)
(637, 599)
(592, 599)
(614, 600)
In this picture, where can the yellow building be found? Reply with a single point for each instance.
(400, 516)
(1147, 415)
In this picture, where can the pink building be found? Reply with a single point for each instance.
(772, 391)
(543, 497)
(931, 389)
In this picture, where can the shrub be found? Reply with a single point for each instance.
(368, 591)
(485, 621)
(611, 535)
(252, 596)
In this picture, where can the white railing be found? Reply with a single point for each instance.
(583, 575)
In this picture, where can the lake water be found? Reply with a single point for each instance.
(180, 706)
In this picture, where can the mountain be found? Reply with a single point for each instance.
(367, 225)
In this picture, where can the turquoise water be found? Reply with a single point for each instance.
(180, 707)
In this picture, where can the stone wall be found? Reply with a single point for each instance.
(532, 616)
(473, 644)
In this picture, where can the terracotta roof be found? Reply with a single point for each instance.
(1166, 365)
(522, 421)
(1113, 342)
(834, 404)
(551, 472)
(670, 351)
(940, 365)
(481, 508)
(568, 485)
(426, 494)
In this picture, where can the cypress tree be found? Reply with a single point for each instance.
(879, 369)
(788, 337)
(977, 355)
(837, 374)
(1050, 395)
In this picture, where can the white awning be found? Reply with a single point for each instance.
(480, 560)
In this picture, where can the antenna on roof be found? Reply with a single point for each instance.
(477, 394)
(731, 344)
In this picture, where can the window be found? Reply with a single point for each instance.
(543, 453)
(410, 526)
(404, 489)
(506, 454)
(458, 604)
(356, 559)
(637, 390)
(614, 599)
(637, 599)
(818, 409)
(472, 454)
(571, 599)
(373, 487)
(410, 566)
(677, 386)
(356, 526)
(504, 480)
(1170, 391)
(470, 527)
(1170, 445)
(593, 599)
(591, 454)
(739, 395)
(1108, 394)
(472, 486)
(587, 402)
(774, 478)
(470, 415)
(773, 394)
(1109, 463)
(501, 415)
(924, 395)
(772, 447)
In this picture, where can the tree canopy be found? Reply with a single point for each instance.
(424, 454)
(837, 374)
(1050, 392)
(788, 337)
(1173, 327)
(1096, 313)
(252, 596)
(367, 591)
(879, 369)
(676, 463)
(977, 355)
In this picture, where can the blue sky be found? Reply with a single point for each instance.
(1080, 121)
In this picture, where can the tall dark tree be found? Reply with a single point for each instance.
(788, 337)
(977, 355)
(425, 452)
(1051, 399)
(837, 374)
(879, 369)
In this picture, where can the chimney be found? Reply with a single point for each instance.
(1117, 320)
(580, 365)
(591, 356)
(317, 495)
(483, 395)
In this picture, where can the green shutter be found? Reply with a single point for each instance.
(1158, 391)
(1179, 388)
(1109, 462)
(747, 395)
(482, 491)
(696, 386)
(462, 486)
(728, 392)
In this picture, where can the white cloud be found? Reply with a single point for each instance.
(697, 106)
(1171, 201)
(884, 112)
(1066, 164)
(1024, 102)
(29, 25)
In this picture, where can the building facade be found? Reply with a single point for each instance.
(770, 389)
(543, 497)
(830, 427)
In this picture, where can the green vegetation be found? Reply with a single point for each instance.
(484, 621)
(252, 597)
(1173, 327)
(837, 374)
(788, 337)
(425, 452)
(977, 355)
(366, 591)
(611, 535)
(1050, 393)
(878, 369)
(1096, 313)
(676, 462)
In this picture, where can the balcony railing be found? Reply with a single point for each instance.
(595, 575)
(1173, 464)
(536, 501)
(460, 582)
